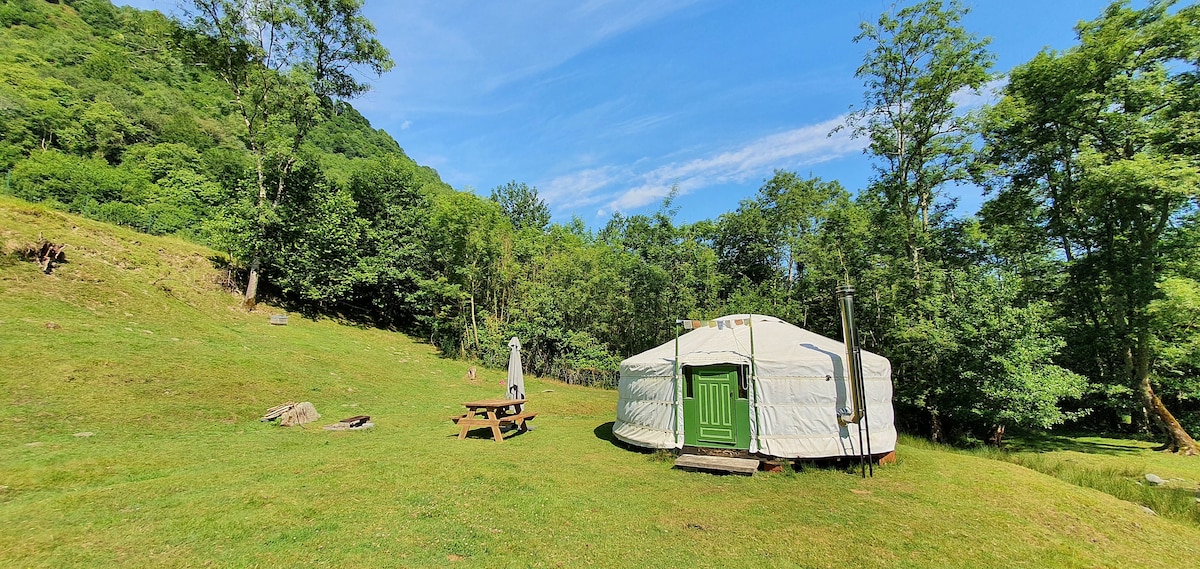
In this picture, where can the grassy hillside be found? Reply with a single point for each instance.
(134, 342)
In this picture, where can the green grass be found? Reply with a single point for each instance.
(132, 341)
(1117, 467)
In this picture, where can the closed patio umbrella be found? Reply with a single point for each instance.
(516, 378)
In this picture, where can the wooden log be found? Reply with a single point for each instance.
(276, 411)
(356, 420)
(46, 254)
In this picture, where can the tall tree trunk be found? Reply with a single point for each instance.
(474, 325)
(1178, 439)
(251, 297)
(997, 438)
(937, 433)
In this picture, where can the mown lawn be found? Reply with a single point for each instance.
(133, 342)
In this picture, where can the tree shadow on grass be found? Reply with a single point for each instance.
(1034, 442)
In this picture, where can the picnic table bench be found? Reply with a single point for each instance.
(493, 413)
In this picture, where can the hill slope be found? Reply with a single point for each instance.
(133, 341)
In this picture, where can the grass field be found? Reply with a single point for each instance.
(1114, 466)
(133, 342)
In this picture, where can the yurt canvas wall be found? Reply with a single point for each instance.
(792, 403)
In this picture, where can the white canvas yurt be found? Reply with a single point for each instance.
(781, 399)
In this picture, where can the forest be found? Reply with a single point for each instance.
(1071, 299)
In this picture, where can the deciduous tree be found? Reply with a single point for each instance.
(522, 206)
(284, 61)
(1102, 137)
(919, 59)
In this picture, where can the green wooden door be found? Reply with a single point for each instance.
(716, 411)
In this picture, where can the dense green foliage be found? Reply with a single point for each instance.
(286, 64)
(1045, 307)
(1096, 153)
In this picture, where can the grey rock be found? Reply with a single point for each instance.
(84, 434)
(1148, 511)
(1154, 479)
(300, 414)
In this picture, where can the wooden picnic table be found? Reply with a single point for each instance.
(493, 413)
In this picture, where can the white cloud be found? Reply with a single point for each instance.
(405, 125)
(966, 99)
(790, 149)
(579, 188)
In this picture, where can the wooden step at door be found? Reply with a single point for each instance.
(726, 464)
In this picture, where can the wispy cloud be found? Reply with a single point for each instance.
(466, 48)
(967, 99)
(639, 124)
(582, 188)
(627, 188)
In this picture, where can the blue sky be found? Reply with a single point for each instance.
(604, 104)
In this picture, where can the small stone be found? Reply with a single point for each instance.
(1148, 511)
(84, 434)
(34, 444)
(1154, 479)
(52, 326)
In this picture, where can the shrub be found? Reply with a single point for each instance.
(52, 175)
(122, 213)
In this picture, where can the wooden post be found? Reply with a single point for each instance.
(675, 387)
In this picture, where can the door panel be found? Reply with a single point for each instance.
(715, 415)
(714, 394)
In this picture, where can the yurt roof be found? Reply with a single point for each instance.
(780, 350)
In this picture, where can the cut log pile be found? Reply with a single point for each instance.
(274, 412)
(46, 254)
